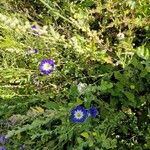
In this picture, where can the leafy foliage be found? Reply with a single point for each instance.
(102, 44)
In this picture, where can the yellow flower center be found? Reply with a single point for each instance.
(78, 114)
(47, 66)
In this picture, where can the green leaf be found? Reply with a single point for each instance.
(105, 85)
(130, 97)
(143, 52)
(85, 134)
(52, 105)
(87, 3)
(79, 101)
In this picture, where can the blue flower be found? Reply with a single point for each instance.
(2, 148)
(47, 66)
(79, 114)
(34, 27)
(92, 111)
(2, 139)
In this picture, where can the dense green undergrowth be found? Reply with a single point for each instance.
(102, 44)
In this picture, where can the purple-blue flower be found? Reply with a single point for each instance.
(47, 66)
(92, 111)
(78, 114)
(2, 139)
(34, 27)
(2, 148)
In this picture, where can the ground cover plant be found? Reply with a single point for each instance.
(74, 75)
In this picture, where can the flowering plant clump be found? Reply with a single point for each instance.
(47, 66)
(99, 96)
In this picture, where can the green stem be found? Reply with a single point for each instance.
(56, 13)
